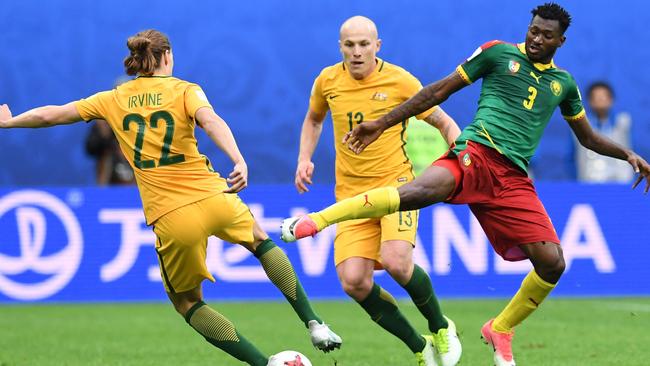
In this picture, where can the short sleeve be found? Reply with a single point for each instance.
(195, 99)
(95, 106)
(413, 86)
(571, 107)
(481, 62)
(317, 102)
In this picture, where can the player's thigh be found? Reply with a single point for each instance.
(357, 238)
(434, 185)
(397, 257)
(514, 220)
(181, 246)
(398, 231)
(396, 249)
(231, 219)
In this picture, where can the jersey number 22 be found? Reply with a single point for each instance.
(165, 157)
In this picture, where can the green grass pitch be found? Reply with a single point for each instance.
(563, 332)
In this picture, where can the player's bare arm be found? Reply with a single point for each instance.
(445, 124)
(222, 136)
(46, 116)
(312, 127)
(5, 113)
(433, 94)
(604, 146)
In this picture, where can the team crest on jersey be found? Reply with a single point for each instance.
(379, 96)
(513, 66)
(556, 88)
(467, 160)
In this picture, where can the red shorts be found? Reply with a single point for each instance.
(502, 198)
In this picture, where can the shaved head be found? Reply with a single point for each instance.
(358, 25)
(359, 45)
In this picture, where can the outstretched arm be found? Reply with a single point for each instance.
(46, 116)
(222, 136)
(312, 127)
(445, 124)
(604, 146)
(432, 94)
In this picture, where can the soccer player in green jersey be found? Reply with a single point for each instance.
(487, 166)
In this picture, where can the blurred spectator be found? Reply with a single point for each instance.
(424, 144)
(595, 168)
(111, 166)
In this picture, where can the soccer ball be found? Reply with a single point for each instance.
(289, 358)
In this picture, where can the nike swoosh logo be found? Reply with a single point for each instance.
(333, 96)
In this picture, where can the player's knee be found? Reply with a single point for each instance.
(559, 266)
(182, 307)
(357, 287)
(399, 268)
(552, 270)
(184, 301)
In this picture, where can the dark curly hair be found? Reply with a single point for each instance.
(553, 11)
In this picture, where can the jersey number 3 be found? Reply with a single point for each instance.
(528, 103)
(165, 157)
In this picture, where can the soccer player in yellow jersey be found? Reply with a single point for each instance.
(184, 199)
(362, 88)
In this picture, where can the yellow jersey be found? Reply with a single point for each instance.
(351, 101)
(153, 120)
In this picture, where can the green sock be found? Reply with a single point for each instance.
(421, 292)
(382, 308)
(281, 273)
(221, 333)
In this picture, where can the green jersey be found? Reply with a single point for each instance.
(517, 100)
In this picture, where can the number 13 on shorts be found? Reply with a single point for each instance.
(407, 220)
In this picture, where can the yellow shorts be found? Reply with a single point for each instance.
(363, 238)
(182, 237)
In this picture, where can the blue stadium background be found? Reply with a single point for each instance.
(257, 60)
(63, 240)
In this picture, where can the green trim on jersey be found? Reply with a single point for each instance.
(518, 98)
(403, 139)
(163, 270)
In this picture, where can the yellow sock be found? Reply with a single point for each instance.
(532, 292)
(374, 203)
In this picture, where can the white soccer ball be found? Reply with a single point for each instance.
(289, 358)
